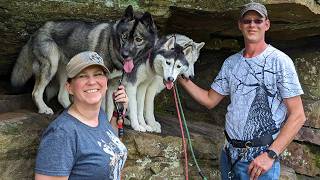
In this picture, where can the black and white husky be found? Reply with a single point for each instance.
(48, 51)
(191, 52)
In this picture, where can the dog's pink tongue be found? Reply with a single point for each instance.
(169, 85)
(128, 65)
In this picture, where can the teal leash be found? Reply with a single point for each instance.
(188, 135)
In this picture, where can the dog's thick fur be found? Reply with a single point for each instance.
(185, 41)
(48, 51)
(146, 110)
(166, 62)
(191, 52)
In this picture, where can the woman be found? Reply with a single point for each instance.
(80, 143)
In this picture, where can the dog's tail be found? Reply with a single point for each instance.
(22, 70)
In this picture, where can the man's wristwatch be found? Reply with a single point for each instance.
(272, 154)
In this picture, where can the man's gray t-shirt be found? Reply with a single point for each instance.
(71, 148)
(256, 87)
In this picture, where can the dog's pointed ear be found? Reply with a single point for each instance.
(147, 20)
(170, 43)
(199, 45)
(187, 51)
(128, 13)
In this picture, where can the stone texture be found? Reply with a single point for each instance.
(17, 169)
(19, 139)
(307, 63)
(309, 135)
(152, 156)
(13, 102)
(287, 173)
(304, 159)
(312, 111)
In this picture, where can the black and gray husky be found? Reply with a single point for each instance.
(48, 51)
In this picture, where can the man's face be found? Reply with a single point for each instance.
(253, 27)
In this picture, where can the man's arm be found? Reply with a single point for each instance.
(207, 98)
(295, 121)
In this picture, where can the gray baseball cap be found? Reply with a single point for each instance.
(83, 60)
(254, 6)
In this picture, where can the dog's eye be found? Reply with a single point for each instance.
(179, 66)
(168, 63)
(138, 39)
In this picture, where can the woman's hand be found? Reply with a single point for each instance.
(120, 96)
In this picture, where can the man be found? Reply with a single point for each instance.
(265, 112)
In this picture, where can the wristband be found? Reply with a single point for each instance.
(115, 114)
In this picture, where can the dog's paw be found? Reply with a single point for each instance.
(46, 110)
(156, 127)
(127, 121)
(148, 128)
(138, 128)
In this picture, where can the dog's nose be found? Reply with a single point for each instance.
(125, 54)
(191, 77)
(170, 79)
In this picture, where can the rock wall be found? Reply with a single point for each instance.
(294, 29)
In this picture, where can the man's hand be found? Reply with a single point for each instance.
(260, 165)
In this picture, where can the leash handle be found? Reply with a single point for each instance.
(119, 106)
(119, 113)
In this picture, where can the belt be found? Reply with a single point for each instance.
(257, 142)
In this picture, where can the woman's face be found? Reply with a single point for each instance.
(89, 86)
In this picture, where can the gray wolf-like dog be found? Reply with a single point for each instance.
(166, 62)
(48, 51)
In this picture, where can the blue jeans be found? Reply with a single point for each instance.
(240, 169)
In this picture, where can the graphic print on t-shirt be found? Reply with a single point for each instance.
(117, 153)
(259, 120)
